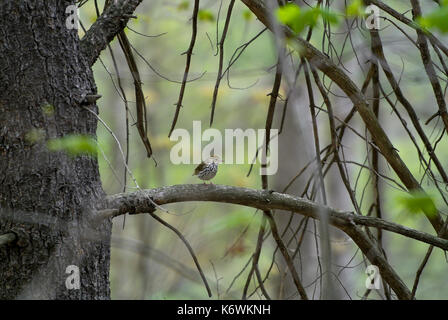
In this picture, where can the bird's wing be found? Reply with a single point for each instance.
(199, 168)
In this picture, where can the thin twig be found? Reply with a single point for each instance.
(189, 53)
(221, 59)
(190, 249)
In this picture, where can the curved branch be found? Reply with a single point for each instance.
(106, 27)
(137, 202)
(348, 222)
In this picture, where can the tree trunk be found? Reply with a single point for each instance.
(46, 197)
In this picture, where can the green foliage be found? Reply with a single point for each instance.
(298, 19)
(74, 145)
(438, 19)
(355, 9)
(290, 16)
(206, 15)
(418, 202)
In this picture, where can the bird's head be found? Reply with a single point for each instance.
(214, 159)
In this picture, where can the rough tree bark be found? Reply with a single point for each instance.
(46, 196)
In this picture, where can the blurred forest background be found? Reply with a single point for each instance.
(148, 260)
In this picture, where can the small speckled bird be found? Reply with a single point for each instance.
(207, 169)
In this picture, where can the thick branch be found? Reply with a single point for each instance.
(377, 258)
(270, 200)
(106, 27)
(137, 202)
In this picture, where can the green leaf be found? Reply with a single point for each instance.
(310, 17)
(290, 15)
(74, 145)
(298, 19)
(206, 15)
(355, 9)
(438, 19)
(418, 202)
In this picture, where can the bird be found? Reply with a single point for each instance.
(207, 169)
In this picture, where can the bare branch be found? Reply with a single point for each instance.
(189, 53)
(429, 67)
(142, 125)
(137, 202)
(375, 257)
(106, 27)
(221, 59)
(190, 249)
(270, 200)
